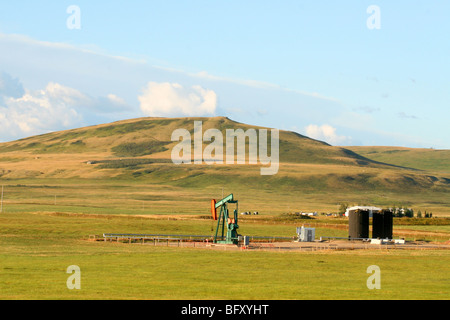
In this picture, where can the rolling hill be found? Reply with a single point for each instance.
(312, 174)
(423, 159)
(152, 137)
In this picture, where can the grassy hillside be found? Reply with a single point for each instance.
(423, 159)
(126, 167)
(152, 136)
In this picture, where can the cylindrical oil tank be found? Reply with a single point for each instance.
(388, 225)
(382, 224)
(358, 224)
(377, 225)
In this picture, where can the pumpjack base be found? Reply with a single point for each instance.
(227, 242)
(225, 246)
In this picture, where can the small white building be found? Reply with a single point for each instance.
(306, 234)
(364, 208)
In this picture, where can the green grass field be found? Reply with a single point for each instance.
(128, 195)
(36, 249)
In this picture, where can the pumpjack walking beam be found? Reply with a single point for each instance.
(224, 217)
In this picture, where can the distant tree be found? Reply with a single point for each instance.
(342, 208)
(419, 214)
(409, 213)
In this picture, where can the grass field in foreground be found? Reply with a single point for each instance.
(36, 249)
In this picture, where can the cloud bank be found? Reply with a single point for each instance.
(172, 99)
(26, 112)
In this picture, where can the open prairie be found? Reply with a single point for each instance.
(37, 248)
(62, 187)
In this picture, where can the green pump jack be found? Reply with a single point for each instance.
(223, 218)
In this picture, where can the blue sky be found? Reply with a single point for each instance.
(313, 67)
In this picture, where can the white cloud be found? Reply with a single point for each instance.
(56, 107)
(55, 92)
(172, 99)
(116, 100)
(38, 112)
(326, 133)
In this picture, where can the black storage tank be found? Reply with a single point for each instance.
(358, 224)
(382, 224)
